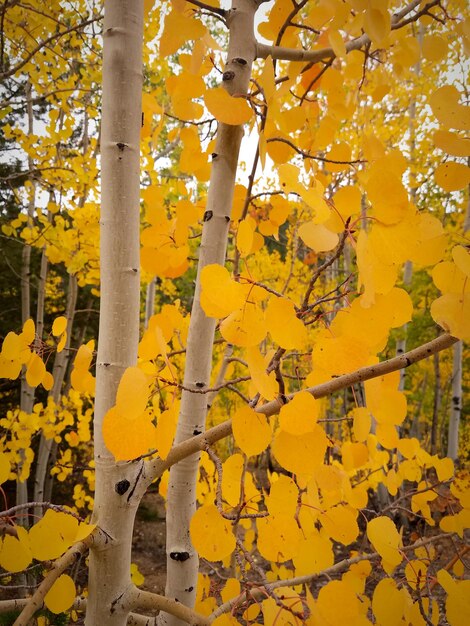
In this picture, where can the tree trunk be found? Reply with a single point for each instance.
(182, 559)
(109, 569)
(456, 407)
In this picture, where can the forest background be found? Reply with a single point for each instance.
(293, 313)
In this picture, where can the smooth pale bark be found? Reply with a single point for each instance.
(456, 407)
(109, 563)
(182, 558)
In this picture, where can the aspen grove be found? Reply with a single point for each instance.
(268, 205)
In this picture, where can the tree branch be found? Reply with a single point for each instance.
(199, 443)
(314, 56)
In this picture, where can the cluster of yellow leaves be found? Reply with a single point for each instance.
(452, 309)
(165, 248)
(82, 380)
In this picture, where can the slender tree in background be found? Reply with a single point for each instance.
(272, 304)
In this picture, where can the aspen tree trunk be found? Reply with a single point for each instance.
(182, 559)
(456, 407)
(114, 508)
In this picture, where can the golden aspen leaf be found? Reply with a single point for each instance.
(250, 614)
(285, 328)
(377, 23)
(267, 79)
(245, 327)
(278, 537)
(347, 201)
(211, 534)
(221, 295)
(461, 258)
(318, 237)
(337, 43)
(339, 522)
(55, 533)
(59, 325)
(300, 454)
(386, 193)
(251, 430)
(434, 48)
(127, 438)
(178, 29)
(15, 552)
(452, 312)
(227, 109)
(245, 236)
(407, 52)
(452, 143)
(449, 278)
(384, 536)
(230, 590)
(132, 394)
(445, 106)
(136, 575)
(265, 383)
(283, 496)
(409, 447)
(29, 332)
(452, 176)
(354, 455)
(315, 553)
(392, 482)
(84, 356)
(457, 523)
(361, 423)
(48, 381)
(11, 346)
(387, 436)
(388, 603)
(165, 430)
(36, 370)
(279, 151)
(62, 342)
(338, 603)
(61, 595)
(444, 468)
(300, 414)
(232, 480)
(458, 598)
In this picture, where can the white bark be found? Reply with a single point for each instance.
(109, 569)
(182, 559)
(456, 408)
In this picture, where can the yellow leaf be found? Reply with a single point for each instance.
(132, 394)
(62, 342)
(315, 553)
(452, 143)
(452, 176)
(384, 536)
(415, 572)
(318, 237)
(458, 598)
(35, 371)
(251, 431)
(388, 603)
(179, 28)
(300, 454)
(245, 233)
(211, 534)
(452, 312)
(15, 552)
(278, 537)
(340, 524)
(245, 327)
(338, 603)
(265, 383)
(128, 439)
(337, 43)
(29, 332)
(445, 106)
(221, 295)
(4, 468)
(377, 23)
(48, 381)
(136, 575)
(347, 201)
(59, 325)
(361, 423)
(434, 48)
(61, 595)
(227, 109)
(55, 533)
(285, 328)
(354, 455)
(299, 415)
(461, 258)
